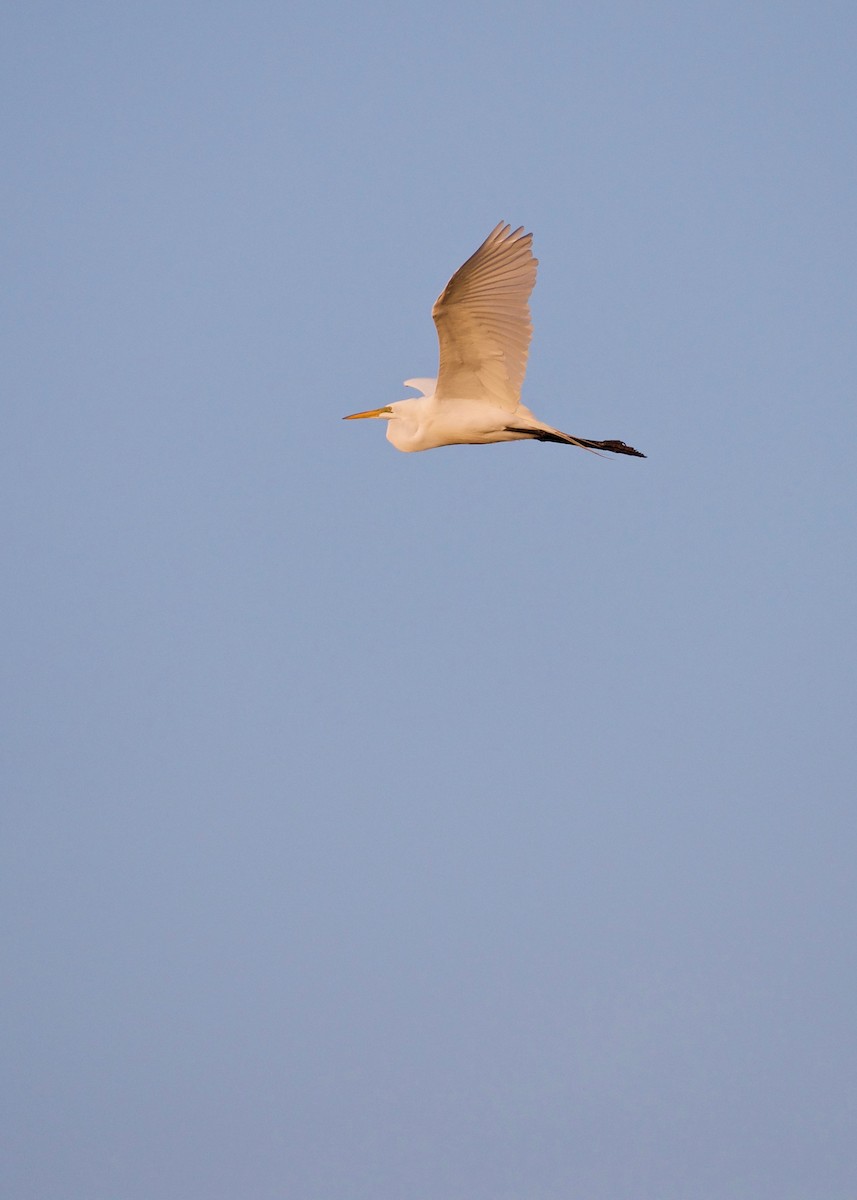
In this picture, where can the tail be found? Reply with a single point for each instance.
(554, 435)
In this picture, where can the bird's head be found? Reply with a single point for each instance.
(404, 419)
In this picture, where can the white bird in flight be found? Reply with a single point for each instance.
(484, 329)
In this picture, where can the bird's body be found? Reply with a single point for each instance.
(483, 325)
(424, 423)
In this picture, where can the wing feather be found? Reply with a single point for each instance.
(424, 386)
(483, 321)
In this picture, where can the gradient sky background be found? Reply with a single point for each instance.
(473, 824)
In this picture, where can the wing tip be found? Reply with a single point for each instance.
(505, 233)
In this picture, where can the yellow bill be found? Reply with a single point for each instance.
(373, 412)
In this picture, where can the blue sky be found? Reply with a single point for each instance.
(471, 823)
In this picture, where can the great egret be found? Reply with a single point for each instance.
(484, 329)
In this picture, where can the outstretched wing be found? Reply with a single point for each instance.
(483, 321)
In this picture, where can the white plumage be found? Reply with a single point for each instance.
(484, 330)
